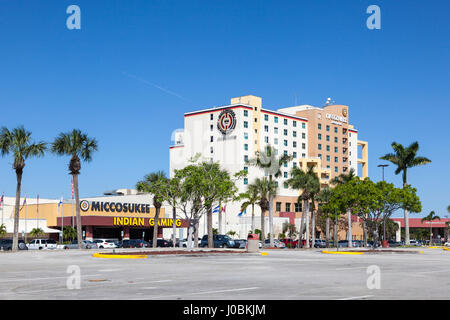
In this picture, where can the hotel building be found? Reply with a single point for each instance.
(232, 135)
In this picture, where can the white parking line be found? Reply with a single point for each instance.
(351, 298)
(205, 292)
(51, 278)
(338, 269)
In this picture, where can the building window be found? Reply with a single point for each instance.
(336, 149)
(319, 136)
(212, 139)
(266, 117)
(294, 144)
(319, 146)
(303, 155)
(275, 130)
(297, 207)
(335, 129)
(294, 164)
(285, 143)
(266, 139)
(285, 122)
(288, 207)
(336, 169)
(328, 148)
(328, 138)
(294, 123)
(278, 206)
(275, 119)
(328, 128)
(246, 147)
(285, 153)
(285, 164)
(285, 185)
(285, 132)
(294, 133)
(285, 174)
(246, 169)
(336, 159)
(275, 141)
(303, 125)
(212, 150)
(335, 139)
(246, 158)
(211, 116)
(245, 113)
(303, 135)
(320, 156)
(294, 155)
(319, 126)
(245, 124)
(303, 145)
(211, 126)
(256, 119)
(245, 181)
(328, 158)
(245, 135)
(266, 128)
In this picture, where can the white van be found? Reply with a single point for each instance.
(40, 244)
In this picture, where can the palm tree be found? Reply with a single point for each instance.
(35, 232)
(271, 164)
(266, 189)
(344, 178)
(309, 183)
(323, 198)
(155, 183)
(430, 217)
(69, 233)
(252, 197)
(18, 143)
(2, 230)
(405, 158)
(77, 145)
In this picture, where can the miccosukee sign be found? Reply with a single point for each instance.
(144, 222)
(115, 207)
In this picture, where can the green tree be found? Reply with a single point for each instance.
(79, 147)
(36, 232)
(231, 233)
(430, 218)
(270, 163)
(172, 196)
(309, 183)
(2, 230)
(18, 143)
(155, 183)
(252, 198)
(69, 232)
(405, 158)
(267, 190)
(323, 198)
(344, 178)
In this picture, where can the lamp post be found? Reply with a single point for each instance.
(382, 166)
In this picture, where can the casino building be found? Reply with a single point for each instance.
(232, 134)
(114, 216)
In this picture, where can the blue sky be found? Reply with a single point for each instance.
(135, 67)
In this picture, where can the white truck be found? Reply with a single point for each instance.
(41, 244)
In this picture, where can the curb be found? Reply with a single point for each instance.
(446, 249)
(341, 252)
(119, 256)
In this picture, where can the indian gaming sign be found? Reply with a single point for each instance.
(227, 121)
(114, 207)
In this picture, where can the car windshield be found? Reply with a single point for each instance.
(51, 241)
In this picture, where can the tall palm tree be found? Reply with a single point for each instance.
(405, 158)
(430, 217)
(344, 178)
(323, 198)
(309, 183)
(76, 145)
(252, 198)
(155, 183)
(18, 142)
(266, 189)
(271, 164)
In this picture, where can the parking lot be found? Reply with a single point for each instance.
(282, 274)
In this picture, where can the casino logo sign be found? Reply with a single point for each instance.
(84, 205)
(227, 121)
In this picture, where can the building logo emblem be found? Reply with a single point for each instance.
(84, 205)
(227, 121)
(344, 112)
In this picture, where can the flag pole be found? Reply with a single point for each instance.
(26, 205)
(73, 203)
(62, 220)
(37, 212)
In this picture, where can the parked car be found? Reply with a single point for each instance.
(343, 243)
(277, 243)
(184, 242)
(289, 243)
(319, 243)
(105, 243)
(6, 244)
(41, 244)
(134, 243)
(393, 244)
(219, 240)
(240, 243)
(86, 245)
(413, 242)
(161, 243)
